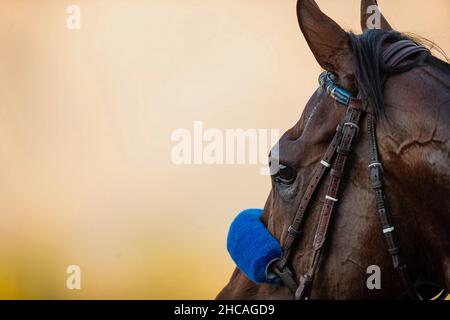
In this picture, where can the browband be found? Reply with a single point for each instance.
(392, 56)
(327, 81)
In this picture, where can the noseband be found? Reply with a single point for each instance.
(333, 165)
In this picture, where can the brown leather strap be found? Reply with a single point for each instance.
(295, 228)
(286, 276)
(350, 132)
(376, 177)
(281, 268)
(294, 231)
(393, 56)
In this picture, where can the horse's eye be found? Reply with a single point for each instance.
(285, 174)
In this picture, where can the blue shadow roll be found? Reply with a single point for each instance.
(252, 247)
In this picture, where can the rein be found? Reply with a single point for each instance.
(333, 164)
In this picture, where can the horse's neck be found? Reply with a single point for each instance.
(439, 70)
(415, 144)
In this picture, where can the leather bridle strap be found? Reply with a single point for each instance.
(339, 146)
(294, 230)
(376, 177)
(393, 56)
(350, 132)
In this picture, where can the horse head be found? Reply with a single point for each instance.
(410, 105)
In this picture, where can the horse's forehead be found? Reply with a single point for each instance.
(314, 103)
(300, 143)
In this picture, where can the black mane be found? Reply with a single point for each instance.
(370, 71)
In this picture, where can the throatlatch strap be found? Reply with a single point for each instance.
(376, 177)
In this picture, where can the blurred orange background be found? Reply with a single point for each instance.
(86, 118)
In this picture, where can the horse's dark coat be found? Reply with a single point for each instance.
(413, 136)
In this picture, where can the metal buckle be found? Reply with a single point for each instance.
(375, 164)
(294, 232)
(352, 125)
(388, 230)
(327, 197)
(325, 164)
(303, 288)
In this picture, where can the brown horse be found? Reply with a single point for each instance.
(413, 131)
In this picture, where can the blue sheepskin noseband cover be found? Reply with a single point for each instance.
(252, 247)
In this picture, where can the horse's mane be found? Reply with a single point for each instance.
(371, 72)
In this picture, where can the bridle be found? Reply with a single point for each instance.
(333, 165)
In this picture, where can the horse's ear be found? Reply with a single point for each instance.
(369, 13)
(328, 41)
